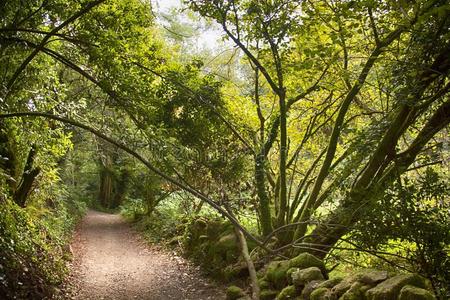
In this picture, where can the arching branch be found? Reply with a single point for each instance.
(150, 166)
(33, 54)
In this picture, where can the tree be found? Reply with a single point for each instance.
(346, 97)
(316, 58)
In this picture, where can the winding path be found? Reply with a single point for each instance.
(111, 262)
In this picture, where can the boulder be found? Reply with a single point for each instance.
(320, 294)
(373, 277)
(306, 260)
(309, 288)
(227, 242)
(289, 274)
(263, 284)
(268, 294)
(390, 288)
(330, 283)
(288, 292)
(238, 270)
(276, 273)
(339, 289)
(409, 292)
(234, 292)
(301, 277)
(226, 248)
(356, 291)
(214, 228)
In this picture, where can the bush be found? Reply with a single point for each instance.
(412, 221)
(33, 261)
(133, 209)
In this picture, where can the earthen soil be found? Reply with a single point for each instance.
(111, 261)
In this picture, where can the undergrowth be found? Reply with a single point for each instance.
(32, 245)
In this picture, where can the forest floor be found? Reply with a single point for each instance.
(111, 261)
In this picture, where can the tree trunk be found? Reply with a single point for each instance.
(354, 207)
(264, 202)
(26, 183)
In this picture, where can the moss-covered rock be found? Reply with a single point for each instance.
(237, 270)
(268, 294)
(339, 289)
(320, 294)
(227, 242)
(330, 283)
(306, 260)
(409, 292)
(356, 292)
(309, 288)
(263, 284)
(234, 292)
(289, 273)
(301, 277)
(288, 292)
(373, 277)
(214, 228)
(276, 273)
(390, 289)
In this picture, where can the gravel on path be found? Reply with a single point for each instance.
(112, 262)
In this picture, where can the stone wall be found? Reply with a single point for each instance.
(305, 277)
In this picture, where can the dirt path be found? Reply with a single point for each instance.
(111, 262)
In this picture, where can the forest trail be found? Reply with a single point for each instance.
(112, 262)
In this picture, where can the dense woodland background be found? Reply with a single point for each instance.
(314, 126)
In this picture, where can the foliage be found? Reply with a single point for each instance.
(34, 256)
(412, 221)
(326, 105)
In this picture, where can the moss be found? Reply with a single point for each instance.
(306, 260)
(320, 294)
(277, 273)
(330, 283)
(214, 229)
(339, 289)
(356, 291)
(238, 270)
(411, 292)
(309, 288)
(268, 294)
(288, 292)
(289, 273)
(301, 277)
(263, 284)
(390, 289)
(234, 292)
(373, 276)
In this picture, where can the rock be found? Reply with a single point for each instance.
(238, 270)
(390, 289)
(306, 260)
(320, 294)
(268, 294)
(288, 292)
(409, 292)
(227, 242)
(339, 289)
(276, 273)
(289, 274)
(309, 288)
(214, 228)
(373, 276)
(234, 292)
(330, 283)
(356, 291)
(263, 284)
(301, 277)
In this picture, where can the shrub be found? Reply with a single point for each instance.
(412, 221)
(32, 261)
